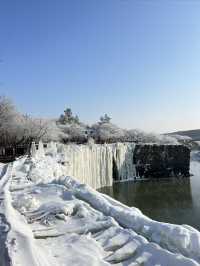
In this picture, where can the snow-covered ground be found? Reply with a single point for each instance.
(48, 218)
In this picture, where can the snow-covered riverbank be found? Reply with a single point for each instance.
(53, 219)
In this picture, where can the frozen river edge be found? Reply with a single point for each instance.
(53, 219)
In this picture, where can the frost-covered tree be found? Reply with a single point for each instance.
(68, 117)
(107, 132)
(105, 119)
(136, 135)
(76, 119)
(73, 133)
(34, 128)
(53, 133)
(16, 128)
(133, 135)
(11, 130)
(7, 112)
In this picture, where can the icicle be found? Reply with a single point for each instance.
(33, 150)
(40, 151)
(52, 149)
(93, 164)
(123, 157)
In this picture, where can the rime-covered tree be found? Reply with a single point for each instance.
(105, 119)
(76, 119)
(107, 132)
(73, 133)
(54, 133)
(10, 122)
(135, 135)
(16, 128)
(68, 117)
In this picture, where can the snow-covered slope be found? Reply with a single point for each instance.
(193, 134)
(54, 219)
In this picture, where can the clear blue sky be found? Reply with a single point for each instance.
(137, 60)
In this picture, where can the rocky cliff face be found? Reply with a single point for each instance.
(162, 160)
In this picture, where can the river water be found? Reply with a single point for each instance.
(175, 200)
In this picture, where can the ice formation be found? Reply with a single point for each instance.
(41, 152)
(100, 165)
(123, 160)
(33, 150)
(96, 165)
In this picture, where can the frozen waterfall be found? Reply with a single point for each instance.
(123, 166)
(97, 165)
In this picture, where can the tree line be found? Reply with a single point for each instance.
(17, 129)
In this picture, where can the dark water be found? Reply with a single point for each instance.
(166, 200)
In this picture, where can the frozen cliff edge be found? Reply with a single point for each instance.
(99, 165)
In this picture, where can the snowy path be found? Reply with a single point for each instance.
(58, 221)
(4, 228)
(4, 225)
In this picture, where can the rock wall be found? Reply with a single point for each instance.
(162, 160)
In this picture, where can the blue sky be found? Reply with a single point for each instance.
(137, 60)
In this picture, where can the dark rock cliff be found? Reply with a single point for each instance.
(162, 160)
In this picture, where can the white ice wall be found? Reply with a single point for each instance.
(123, 156)
(93, 164)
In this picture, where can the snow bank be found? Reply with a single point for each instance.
(184, 240)
(56, 220)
